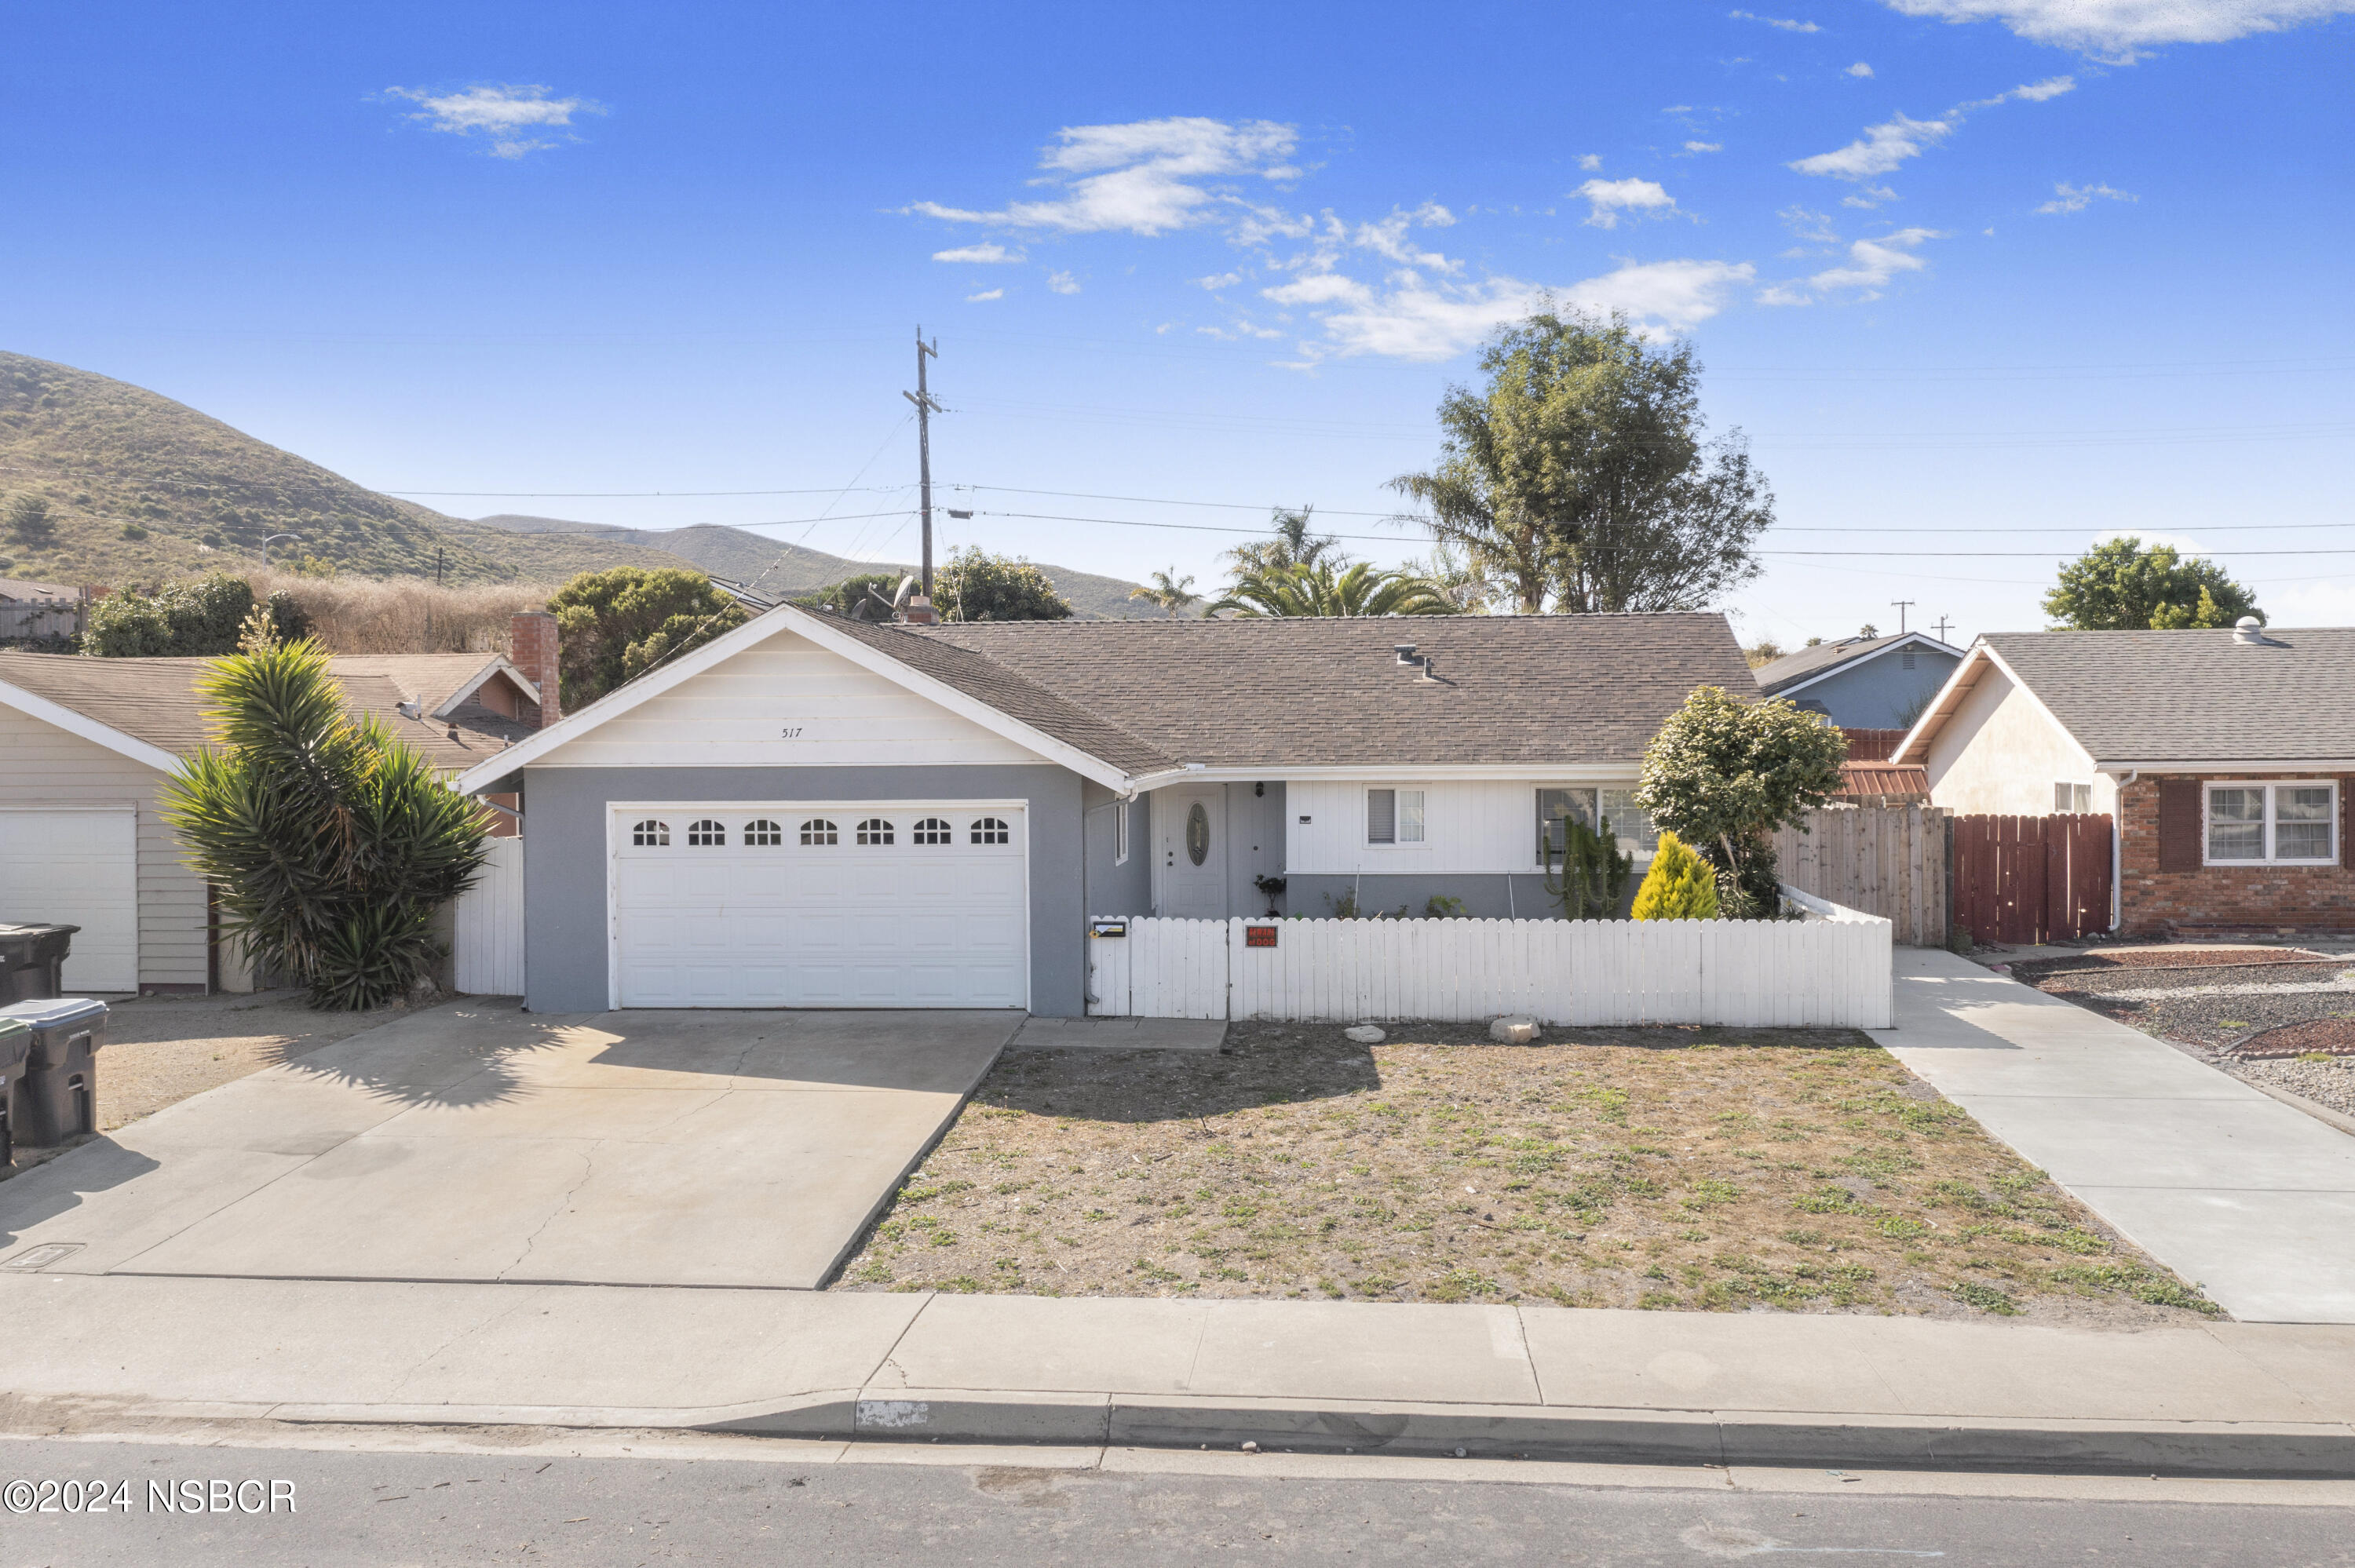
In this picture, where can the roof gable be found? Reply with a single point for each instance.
(1809, 665)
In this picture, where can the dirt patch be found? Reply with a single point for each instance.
(2318, 1036)
(162, 1049)
(2168, 958)
(1711, 1169)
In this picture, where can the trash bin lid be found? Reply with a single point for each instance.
(53, 1013)
(10, 929)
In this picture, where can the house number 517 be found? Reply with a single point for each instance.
(793, 732)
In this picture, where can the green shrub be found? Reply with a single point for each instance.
(199, 619)
(1680, 886)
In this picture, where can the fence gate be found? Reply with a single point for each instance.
(2020, 880)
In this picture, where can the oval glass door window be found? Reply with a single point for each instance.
(1197, 833)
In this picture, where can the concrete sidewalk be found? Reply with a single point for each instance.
(92, 1352)
(2250, 1198)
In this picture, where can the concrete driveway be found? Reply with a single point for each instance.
(477, 1143)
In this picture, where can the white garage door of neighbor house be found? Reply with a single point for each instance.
(832, 905)
(77, 868)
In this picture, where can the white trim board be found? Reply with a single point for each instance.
(77, 722)
(812, 629)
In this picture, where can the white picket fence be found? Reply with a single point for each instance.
(489, 947)
(1831, 968)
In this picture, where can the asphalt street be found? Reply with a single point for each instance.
(193, 1504)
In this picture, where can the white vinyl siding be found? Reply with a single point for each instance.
(45, 766)
(2265, 824)
(1469, 826)
(787, 702)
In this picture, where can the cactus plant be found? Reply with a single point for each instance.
(1593, 873)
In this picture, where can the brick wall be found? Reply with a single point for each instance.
(532, 649)
(2225, 898)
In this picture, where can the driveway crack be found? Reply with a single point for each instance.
(563, 1204)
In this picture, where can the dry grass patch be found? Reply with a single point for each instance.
(1800, 1170)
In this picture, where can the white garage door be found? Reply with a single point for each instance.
(77, 868)
(838, 905)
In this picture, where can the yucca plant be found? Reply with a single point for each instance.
(1680, 886)
(330, 842)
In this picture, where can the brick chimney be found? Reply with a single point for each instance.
(532, 649)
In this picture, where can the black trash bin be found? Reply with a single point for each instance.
(57, 1098)
(16, 1044)
(32, 961)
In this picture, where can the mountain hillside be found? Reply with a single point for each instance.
(142, 490)
(781, 569)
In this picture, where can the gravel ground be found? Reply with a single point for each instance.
(1698, 1169)
(2210, 1026)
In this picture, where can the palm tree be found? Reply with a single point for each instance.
(1463, 508)
(1358, 589)
(1168, 590)
(1293, 545)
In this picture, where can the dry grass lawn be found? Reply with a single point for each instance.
(1705, 1169)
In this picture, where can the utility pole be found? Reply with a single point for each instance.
(1901, 605)
(925, 408)
(1942, 624)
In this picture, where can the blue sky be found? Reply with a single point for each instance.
(1982, 279)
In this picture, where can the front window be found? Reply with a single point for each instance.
(1394, 816)
(1630, 824)
(1556, 806)
(2273, 824)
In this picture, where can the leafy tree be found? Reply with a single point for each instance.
(331, 844)
(1168, 590)
(1319, 589)
(1763, 651)
(1471, 587)
(1680, 886)
(1293, 545)
(30, 523)
(855, 596)
(976, 586)
(615, 625)
(1580, 475)
(1723, 774)
(2122, 586)
(1593, 874)
(200, 618)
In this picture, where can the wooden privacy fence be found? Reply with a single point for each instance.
(40, 617)
(1829, 969)
(488, 951)
(2031, 879)
(1889, 861)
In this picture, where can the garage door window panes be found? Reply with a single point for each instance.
(818, 830)
(707, 835)
(935, 830)
(763, 834)
(874, 830)
(991, 831)
(651, 834)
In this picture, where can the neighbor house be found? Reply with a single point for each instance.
(2223, 759)
(86, 745)
(1863, 683)
(818, 812)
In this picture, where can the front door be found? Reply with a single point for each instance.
(1193, 848)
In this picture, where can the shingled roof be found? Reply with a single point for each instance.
(156, 701)
(1550, 690)
(2190, 696)
(1807, 664)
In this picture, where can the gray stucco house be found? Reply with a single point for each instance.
(1864, 683)
(814, 811)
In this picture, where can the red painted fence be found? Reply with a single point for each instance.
(2031, 879)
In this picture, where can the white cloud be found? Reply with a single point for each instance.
(1388, 238)
(2330, 602)
(1785, 23)
(1063, 283)
(1867, 197)
(2067, 198)
(1884, 146)
(1871, 263)
(1815, 226)
(1606, 199)
(1146, 177)
(1220, 281)
(981, 255)
(517, 119)
(1590, 161)
(1860, 68)
(1408, 316)
(990, 294)
(1881, 149)
(1704, 146)
(2121, 30)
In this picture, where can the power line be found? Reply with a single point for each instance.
(621, 495)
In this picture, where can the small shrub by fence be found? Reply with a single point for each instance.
(1830, 969)
(1889, 861)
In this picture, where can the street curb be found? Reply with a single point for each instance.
(2318, 1451)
